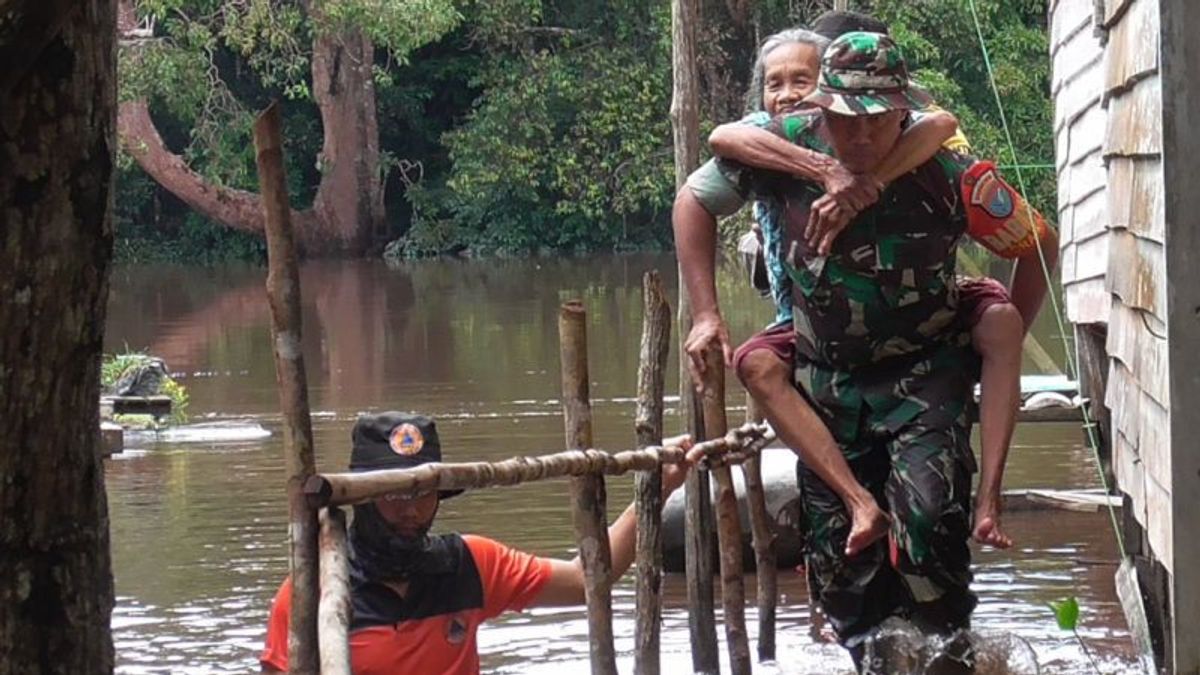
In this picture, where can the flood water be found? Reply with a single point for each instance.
(198, 529)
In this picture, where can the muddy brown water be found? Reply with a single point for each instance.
(198, 530)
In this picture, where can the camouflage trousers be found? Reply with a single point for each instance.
(918, 465)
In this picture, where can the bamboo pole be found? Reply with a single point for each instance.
(283, 293)
(764, 544)
(333, 614)
(729, 529)
(343, 489)
(656, 344)
(587, 491)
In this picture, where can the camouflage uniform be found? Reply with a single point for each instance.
(885, 360)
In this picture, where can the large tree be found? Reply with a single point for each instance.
(58, 85)
(177, 52)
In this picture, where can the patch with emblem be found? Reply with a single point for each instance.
(456, 629)
(406, 439)
(992, 195)
(997, 216)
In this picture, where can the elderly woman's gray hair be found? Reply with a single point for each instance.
(754, 96)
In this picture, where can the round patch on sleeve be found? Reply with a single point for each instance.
(406, 439)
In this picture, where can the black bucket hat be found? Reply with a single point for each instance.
(395, 440)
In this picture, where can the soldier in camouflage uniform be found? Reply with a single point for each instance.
(882, 354)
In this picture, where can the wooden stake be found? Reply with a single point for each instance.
(764, 544)
(698, 526)
(283, 293)
(334, 610)
(587, 491)
(656, 344)
(729, 529)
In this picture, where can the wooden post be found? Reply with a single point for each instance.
(729, 529)
(1092, 358)
(841, 5)
(656, 344)
(283, 293)
(698, 526)
(334, 609)
(1179, 61)
(587, 491)
(764, 544)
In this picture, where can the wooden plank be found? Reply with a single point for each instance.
(1090, 217)
(1134, 126)
(1062, 149)
(1154, 440)
(1123, 335)
(1087, 135)
(1088, 301)
(1087, 179)
(1092, 254)
(1158, 523)
(1135, 196)
(157, 406)
(1181, 166)
(1132, 50)
(1130, 595)
(1066, 255)
(1152, 365)
(112, 439)
(1136, 273)
(1130, 479)
(1079, 94)
(1067, 20)
(1124, 400)
(1115, 9)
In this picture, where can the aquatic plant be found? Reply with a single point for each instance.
(1066, 612)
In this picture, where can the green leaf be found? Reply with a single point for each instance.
(1066, 612)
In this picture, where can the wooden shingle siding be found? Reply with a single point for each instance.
(1137, 273)
(1135, 121)
(1067, 20)
(1135, 196)
(1127, 60)
(1077, 84)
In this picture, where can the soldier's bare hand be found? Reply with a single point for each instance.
(706, 331)
(826, 220)
(855, 192)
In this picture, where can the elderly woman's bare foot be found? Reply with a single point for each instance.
(987, 525)
(868, 524)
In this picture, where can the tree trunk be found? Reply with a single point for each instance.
(348, 208)
(56, 168)
(349, 201)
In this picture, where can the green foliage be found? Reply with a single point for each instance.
(1066, 613)
(399, 27)
(114, 366)
(569, 147)
(509, 126)
(941, 44)
(209, 64)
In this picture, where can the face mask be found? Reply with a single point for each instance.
(380, 554)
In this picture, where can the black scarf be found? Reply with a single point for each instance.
(378, 553)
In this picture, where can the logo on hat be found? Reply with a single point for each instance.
(406, 439)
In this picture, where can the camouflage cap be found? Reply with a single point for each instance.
(865, 74)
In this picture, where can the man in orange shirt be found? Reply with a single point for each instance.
(418, 599)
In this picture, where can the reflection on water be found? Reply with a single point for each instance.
(198, 529)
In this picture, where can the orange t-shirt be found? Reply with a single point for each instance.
(435, 631)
